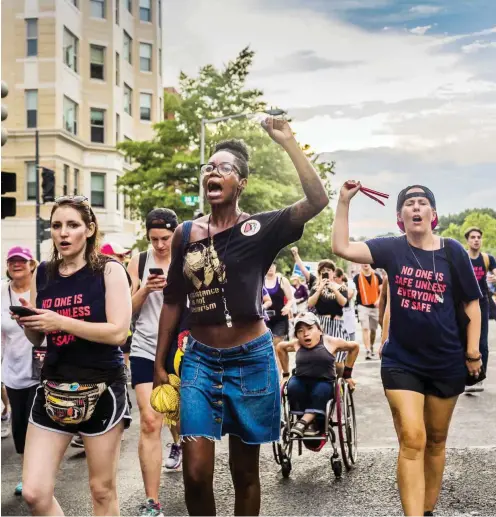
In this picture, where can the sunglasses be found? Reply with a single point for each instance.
(72, 199)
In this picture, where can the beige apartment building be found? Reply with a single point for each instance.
(87, 74)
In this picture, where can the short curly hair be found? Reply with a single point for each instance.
(326, 263)
(240, 151)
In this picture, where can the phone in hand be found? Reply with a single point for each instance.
(21, 311)
(156, 271)
(325, 275)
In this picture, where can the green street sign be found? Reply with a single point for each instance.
(190, 200)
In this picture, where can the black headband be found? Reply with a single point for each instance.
(403, 196)
(162, 225)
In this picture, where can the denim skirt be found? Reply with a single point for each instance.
(231, 391)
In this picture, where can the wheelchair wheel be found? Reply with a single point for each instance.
(341, 389)
(337, 467)
(286, 467)
(350, 424)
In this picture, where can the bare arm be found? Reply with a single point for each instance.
(288, 293)
(341, 245)
(299, 263)
(315, 199)
(314, 298)
(472, 309)
(385, 320)
(340, 297)
(267, 301)
(334, 345)
(140, 291)
(282, 350)
(35, 337)
(117, 309)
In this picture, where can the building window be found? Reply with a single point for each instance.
(117, 69)
(98, 189)
(97, 123)
(117, 128)
(65, 187)
(127, 159)
(161, 109)
(145, 57)
(128, 48)
(160, 13)
(146, 10)
(71, 44)
(145, 106)
(128, 99)
(129, 5)
(31, 108)
(160, 62)
(70, 115)
(117, 11)
(76, 181)
(32, 37)
(97, 64)
(117, 196)
(98, 8)
(31, 181)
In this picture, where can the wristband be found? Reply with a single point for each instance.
(285, 375)
(473, 359)
(347, 372)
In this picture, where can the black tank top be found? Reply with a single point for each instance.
(316, 363)
(70, 358)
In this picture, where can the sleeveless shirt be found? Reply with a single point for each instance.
(316, 362)
(70, 358)
(277, 296)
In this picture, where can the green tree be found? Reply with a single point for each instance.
(167, 167)
(458, 219)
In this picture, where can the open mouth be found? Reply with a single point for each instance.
(65, 244)
(417, 219)
(214, 187)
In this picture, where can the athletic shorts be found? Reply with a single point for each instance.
(141, 370)
(399, 379)
(112, 407)
(368, 317)
(279, 328)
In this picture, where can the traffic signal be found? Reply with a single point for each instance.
(43, 230)
(8, 203)
(5, 113)
(47, 185)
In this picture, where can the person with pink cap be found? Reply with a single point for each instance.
(428, 354)
(115, 250)
(20, 364)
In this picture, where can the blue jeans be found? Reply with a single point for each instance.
(231, 391)
(483, 343)
(307, 395)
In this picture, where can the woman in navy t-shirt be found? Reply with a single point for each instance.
(83, 307)
(424, 363)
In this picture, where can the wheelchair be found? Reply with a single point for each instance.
(339, 425)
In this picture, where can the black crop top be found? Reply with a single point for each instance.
(202, 273)
(327, 305)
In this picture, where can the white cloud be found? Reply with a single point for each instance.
(425, 9)
(421, 30)
(478, 45)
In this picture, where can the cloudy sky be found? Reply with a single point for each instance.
(397, 92)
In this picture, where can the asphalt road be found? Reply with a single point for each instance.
(369, 489)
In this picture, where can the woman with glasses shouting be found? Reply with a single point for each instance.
(81, 302)
(229, 379)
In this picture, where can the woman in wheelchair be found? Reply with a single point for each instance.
(312, 383)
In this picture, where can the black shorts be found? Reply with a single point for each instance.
(141, 370)
(112, 407)
(279, 328)
(399, 379)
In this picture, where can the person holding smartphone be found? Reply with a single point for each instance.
(148, 271)
(328, 298)
(21, 366)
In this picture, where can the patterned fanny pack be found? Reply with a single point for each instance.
(71, 403)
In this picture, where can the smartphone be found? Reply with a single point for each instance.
(21, 311)
(156, 271)
(325, 275)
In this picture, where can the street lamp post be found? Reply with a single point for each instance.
(204, 122)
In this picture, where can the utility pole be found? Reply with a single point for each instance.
(37, 167)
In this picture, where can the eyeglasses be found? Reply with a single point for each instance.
(74, 199)
(224, 168)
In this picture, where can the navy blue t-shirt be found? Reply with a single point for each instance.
(423, 333)
(480, 272)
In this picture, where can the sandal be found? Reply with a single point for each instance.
(299, 428)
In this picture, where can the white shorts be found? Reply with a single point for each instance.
(368, 317)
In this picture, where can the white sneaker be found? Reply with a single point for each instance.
(476, 388)
(175, 457)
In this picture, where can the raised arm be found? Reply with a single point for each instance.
(299, 263)
(288, 293)
(140, 290)
(316, 198)
(341, 245)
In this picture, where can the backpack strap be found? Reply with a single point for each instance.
(141, 264)
(485, 258)
(187, 225)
